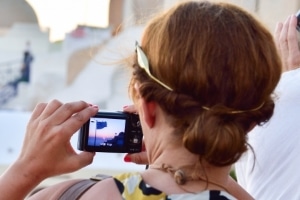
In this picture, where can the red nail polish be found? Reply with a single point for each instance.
(127, 158)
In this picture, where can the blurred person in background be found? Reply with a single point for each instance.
(271, 171)
(26, 65)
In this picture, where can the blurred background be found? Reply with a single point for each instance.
(70, 50)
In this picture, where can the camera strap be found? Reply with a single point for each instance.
(76, 190)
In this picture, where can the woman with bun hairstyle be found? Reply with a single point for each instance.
(203, 76)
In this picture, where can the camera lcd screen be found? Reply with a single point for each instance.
(106, 132)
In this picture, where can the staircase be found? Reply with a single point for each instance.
(9, 76)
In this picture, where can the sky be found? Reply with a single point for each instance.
(113, 126)
(62, 16)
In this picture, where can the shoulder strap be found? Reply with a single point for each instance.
(78, 189)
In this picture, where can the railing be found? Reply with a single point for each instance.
(10, 73)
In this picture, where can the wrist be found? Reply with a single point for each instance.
(30, 171)
(18, 180)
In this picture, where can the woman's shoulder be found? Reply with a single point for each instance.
(53, 191)
(132, 185)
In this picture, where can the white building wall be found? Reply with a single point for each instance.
(268, 11)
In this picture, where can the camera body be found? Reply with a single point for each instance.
(298, 20)
(116, 132)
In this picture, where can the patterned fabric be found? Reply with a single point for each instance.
(132, 187)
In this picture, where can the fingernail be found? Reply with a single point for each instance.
(127, 158)
(95, 106)
(125, 107)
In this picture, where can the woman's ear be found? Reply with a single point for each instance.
(149, 112)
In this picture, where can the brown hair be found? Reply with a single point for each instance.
(214, 56)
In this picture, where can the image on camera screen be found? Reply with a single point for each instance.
(106, 132)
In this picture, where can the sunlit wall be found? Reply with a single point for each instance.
(62, 16)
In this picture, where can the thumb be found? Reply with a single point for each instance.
(84, 158)
(137, 158)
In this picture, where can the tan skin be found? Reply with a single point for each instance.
(47, 150)
(284, 32)
(232, 186)
(287, 43)
(162, 151)
(30, 168)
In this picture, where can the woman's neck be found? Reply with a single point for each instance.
(180, 162)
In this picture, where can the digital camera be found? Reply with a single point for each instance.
(298, 27)
(298, 20)
(116, 132)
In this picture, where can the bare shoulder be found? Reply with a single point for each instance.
(106, 189)
(54, 191)
(237, 191)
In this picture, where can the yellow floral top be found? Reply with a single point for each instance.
(132, 187)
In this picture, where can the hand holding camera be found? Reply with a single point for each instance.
(52, 125)
(287, 41)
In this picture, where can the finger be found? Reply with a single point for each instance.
(39, 108)
(277, 32)
(283, 43)
(73, 124)
(130, 109)
(137, 158)
(82, 159)
(292, 35)
(73, 163)
(66, 110)
(52, 106)
(32, 123)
